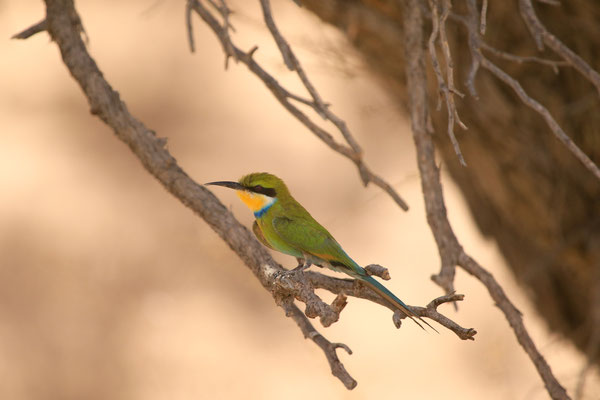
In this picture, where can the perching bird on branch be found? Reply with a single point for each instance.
(282, 224)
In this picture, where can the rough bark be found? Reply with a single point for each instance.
(524, 188)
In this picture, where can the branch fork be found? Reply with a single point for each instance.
(451, 252)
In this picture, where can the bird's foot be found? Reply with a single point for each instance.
(302, 266)
(282, 276)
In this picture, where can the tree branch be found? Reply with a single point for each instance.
(355, 288)
(475, 46)
(542, 36)
(353, 151)
(32, 30)
(294, 65)
(65, 28)
(451, 251)
(446, 87)
(554, 64)
(309, 332)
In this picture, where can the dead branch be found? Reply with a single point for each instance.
(353, 151)
(32, 30)
(378, 270)
(446, 87)
(355, 288)
(65, 28)
(309, 332)
(451, 251)
(554, 64)
(294, 65)
(543, 37)
(475, 46)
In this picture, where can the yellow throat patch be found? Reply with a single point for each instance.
(254, 201)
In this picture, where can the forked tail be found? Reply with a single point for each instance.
(396, 302)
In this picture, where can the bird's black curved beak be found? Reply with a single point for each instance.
(228, 184)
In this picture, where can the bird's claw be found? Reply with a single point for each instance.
(282, 277)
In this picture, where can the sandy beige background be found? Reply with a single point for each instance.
(111, 289)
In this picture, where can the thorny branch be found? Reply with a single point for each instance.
(352, 151)
(64, 26)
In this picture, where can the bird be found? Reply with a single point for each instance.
(284, 225)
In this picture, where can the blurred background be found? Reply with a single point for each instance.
(110, 288)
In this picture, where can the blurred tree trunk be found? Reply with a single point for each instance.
(523, 187)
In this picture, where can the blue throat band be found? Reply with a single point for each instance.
(263, 210)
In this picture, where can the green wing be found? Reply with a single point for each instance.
(308, 237)
(259, 235)
(311, 238)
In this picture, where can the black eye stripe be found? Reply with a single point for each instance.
(263, 190)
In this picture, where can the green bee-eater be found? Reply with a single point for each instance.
(282, 224)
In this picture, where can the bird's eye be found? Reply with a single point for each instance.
(260, 189)
(263, 190)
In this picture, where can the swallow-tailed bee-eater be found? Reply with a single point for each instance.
(282, 224)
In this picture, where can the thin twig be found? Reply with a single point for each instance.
(188, 26)
(446, 87)
(474, 43)
(294, 64)
(352, 152)
(32, 30)
(451, 107)
(475, 47)
(483, 19)
(435, 31)
(543, 111)
(337, 368)
(543, 37)
(554, 64)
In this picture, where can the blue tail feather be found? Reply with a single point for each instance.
(391, 297)
(350, 267)
(383, 289)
